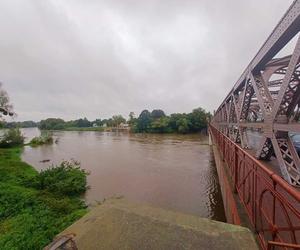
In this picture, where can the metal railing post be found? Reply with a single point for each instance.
(235, 168)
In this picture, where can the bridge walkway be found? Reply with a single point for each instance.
(271, 204)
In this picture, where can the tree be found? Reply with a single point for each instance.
(82, 123)
(161, 125)
(132, 120)
(52, 124)
(24, 124)
(105, 121)
(108, 122)
(131, 115)
(157, 113)
(144, 121)
(117, 120)
(98, 122)
(11, 138)
(6, 107)
(198, 119)
(173, 120)
(183, 125)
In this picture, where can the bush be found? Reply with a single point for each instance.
(60, 205)
(14, 199)
(45, 138)
(66, 179)
(11, 138)
(29, 217)
(33, 226)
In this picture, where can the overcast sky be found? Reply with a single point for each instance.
(94, 59)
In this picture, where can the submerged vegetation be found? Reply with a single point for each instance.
(34, 207)
(44, 138)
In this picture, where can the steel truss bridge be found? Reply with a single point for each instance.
(266, 100)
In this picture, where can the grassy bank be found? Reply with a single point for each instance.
(30, 217)
(84, 129)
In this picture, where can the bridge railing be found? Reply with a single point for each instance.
(272, 205)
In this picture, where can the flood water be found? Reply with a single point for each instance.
(170, 171)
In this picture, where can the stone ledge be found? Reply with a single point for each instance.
(119, 224)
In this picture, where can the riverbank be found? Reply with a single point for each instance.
(83, 129)
(114, 129)
(29, 217)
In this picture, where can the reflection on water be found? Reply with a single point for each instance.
(171, 171)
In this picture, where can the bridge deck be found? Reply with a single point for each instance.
(272, 164)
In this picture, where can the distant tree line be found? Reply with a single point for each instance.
(147, 122)
(24, 124)
(60, 124)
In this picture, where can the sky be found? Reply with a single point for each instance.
(95, 59)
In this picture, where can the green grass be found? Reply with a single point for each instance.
(30, 217)
(84, 129)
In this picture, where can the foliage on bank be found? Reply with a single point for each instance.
(80, 124)
(23, 124)
(84, 129)
(32, 208)
(11, 138)
(147, 122)
(67, 179)
(158, 122)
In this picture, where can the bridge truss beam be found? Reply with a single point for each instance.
(267, 97)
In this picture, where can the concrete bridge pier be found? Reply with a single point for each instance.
(119, 224)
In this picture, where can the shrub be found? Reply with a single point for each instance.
(60, 204)
(45, 138)
(30, 218)
(12, 138)
(13, 199)
(35, 226)
(66, 179)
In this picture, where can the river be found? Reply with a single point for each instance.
(170, 171)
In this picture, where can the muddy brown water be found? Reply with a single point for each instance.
(170, 171)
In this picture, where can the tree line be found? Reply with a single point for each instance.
(155, 121)
(158, 122)
(24, 124)
(60, 124)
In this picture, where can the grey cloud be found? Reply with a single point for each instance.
(77, 58)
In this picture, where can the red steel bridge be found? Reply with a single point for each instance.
(265, 104)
